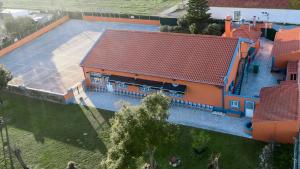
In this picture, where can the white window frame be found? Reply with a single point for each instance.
(235, 104)
(237, 15)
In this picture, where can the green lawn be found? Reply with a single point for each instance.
(148, 7)
(49, 135)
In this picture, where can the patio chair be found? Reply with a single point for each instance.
(211, 108)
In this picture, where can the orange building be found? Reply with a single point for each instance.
(277, 116)
(249, 32)
(195, 70)
(286, 48)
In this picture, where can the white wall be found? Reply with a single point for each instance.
(276, 15)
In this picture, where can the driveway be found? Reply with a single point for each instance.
(178, 115)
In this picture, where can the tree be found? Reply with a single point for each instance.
(20, 26)
(139, 131)
(197, 13)
(213, 29)
(5, 77)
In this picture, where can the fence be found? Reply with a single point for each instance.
(9, 41)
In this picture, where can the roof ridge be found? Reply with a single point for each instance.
(172, 33)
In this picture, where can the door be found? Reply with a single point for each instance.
(249, 108)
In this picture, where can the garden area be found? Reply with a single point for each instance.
(50, 135)
(142, 7)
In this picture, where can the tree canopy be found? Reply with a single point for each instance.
(5, 77)
(138, 131)
(20, 26)
(197, 13)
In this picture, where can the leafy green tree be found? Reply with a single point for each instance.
(5, 77)
(197, 13)
(213, 29)
(139, 131)
(20, 26)
(294, 4)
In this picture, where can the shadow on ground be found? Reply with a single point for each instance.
(65, 123)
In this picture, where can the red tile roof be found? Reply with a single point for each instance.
(286, 42)
(246, 33)
(292, 68)
(279, 103)
(274, 4)
(195, 58)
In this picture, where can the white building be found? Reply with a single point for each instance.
(278, 11)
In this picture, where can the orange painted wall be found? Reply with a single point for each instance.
(125, 20)
(234, 70)
(279, 131)
(69, 95)
(242, 100)
(257, 45)
(244, 49)
(196, 92)
(33, 36)
(281, 62)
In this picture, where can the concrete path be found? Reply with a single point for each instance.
(178, 115)
(253, 82)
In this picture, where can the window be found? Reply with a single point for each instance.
(293, 77)
(237, 15)
(145, 89)
(121, 85)
(235, 104)
(174, 94)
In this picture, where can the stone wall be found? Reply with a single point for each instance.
(38, 94)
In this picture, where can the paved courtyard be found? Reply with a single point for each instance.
(51, 62)
(252, 82)
(179, 115)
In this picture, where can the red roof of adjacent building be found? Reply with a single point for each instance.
(273, 4)
(195, 58)
(279, 103)
(245, 32)
(286, 42)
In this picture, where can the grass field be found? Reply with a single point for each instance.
(146, 7)
(49, 135)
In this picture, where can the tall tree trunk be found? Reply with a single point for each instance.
(151, 158)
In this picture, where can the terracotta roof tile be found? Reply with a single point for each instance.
(279, 103)
(196, 58)
(286, 42)
(292, 67)
(246, 33)
(274, 4)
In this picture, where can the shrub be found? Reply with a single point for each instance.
(213, 29)
(193, 29)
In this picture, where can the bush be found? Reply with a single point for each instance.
(193, 29)
(183, 23)
(164, 28)
(213, 29)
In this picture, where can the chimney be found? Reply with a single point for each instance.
(228, 26)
